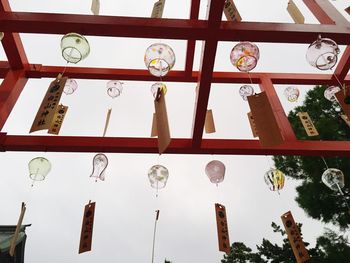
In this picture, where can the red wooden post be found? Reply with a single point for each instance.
(12, 44)
(10, 89)
(214, 15)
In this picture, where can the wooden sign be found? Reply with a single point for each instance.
(158, 8)
(209, 124)
(295, 13)
(18, 228)
(295, 239)
(347, 10)
(58, 119)
(231, 11)
(252, 124)
(341, 99)
(221, 222)
(49, 105)
(108, 117)
(346, 119)
(87, 228)
(95, 7)
(308, 124)
(265, 121)
(154, 132)
(162, 121)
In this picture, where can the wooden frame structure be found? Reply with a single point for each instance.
(18, 69)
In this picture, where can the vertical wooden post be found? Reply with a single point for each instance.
(10, 89)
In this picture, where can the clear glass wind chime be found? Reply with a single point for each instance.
(244, 56)
(323, 55)
(159, 59)
(333, 178)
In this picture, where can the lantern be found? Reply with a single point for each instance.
(329, 93)
(333, 178)
(158, 176)
(156, 86)
(292, 94)
(74, 47)
(70, 86)
(323, 53)
(39, 167)
(215, 170)
(114, 88)
(244, 56)
(245, 91)
(99, 163)
(159, 59)
(274, 178)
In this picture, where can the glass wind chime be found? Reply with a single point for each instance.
(99, 166)
(158, 176)
(39, 168)
(160, 59)
(51, 113)
(323, 55)
(114, 90)
(274, 179)
(244, 56)
(334, 179)
(215, 170)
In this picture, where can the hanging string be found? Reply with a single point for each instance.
(324, 161)
(154, 234)
(251, 81)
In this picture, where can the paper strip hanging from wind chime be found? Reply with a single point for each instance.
(308, 124)
(108, 117)
(265, 121)
(87, 228)
(58, 119)
(154, 131)
(295, 13)
(163, 130)
(95, 7)
(295, 239)
(252, 124)
(49, 105)
(18, 228)
(231, 11)
(158, 8)
(209, 124)
(222, 228)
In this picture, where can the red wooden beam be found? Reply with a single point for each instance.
(10, 89)
(325, 12)
(39, 71)
(169, 28)
(177, 146)
(281, 117)
(209, 47)
(4, 68)
(281, 32)
(12, 44)
(191, 44)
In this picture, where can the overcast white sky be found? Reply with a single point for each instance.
(125, 206)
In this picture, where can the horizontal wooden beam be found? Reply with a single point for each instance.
(137, 27)
(39, 71)
(177, 146)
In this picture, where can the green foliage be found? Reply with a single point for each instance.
(314, 197)
(330, 248)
